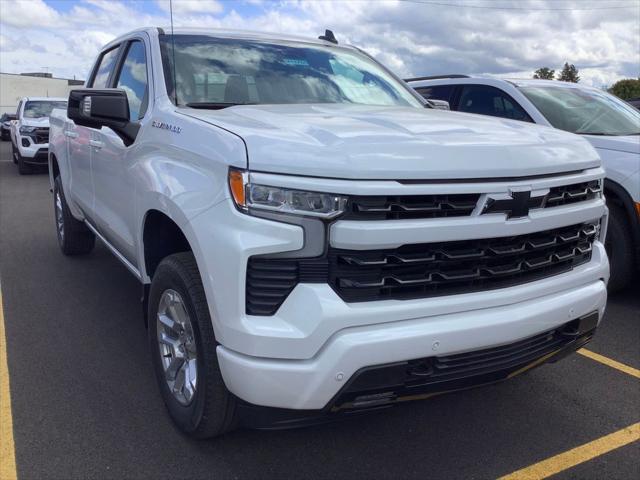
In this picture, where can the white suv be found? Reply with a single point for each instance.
(313, 241)
(30, 131)
(610, 125)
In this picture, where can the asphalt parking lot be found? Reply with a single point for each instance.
(84, 403)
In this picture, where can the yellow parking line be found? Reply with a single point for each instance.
(634, 372)
(578, 455)
(7, 448)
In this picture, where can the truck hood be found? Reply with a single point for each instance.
(35, 122)
(622, 143)
(367, 142)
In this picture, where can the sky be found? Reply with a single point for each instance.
(503, 38)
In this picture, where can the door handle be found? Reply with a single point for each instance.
(96, 144)
(69, 134)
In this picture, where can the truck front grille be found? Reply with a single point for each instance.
(426, 270)
(410, 206)
(406, 207)
(422, 270)
(40, 135)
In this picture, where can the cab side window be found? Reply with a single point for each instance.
(133, 80)
(436, 92)
(486, 100)
(107, 62)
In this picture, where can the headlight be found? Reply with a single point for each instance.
(249, 196)
(27, 129)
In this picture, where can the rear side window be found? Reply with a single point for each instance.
(486, 100)
(437, 92)
(133, 80)
(107, 62)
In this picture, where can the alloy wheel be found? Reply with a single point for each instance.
(177, 346)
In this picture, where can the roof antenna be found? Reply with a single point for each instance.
(173, 54)
(329, 37)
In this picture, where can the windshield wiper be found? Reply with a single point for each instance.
(597, 133)
(607, 134)
(214, 105)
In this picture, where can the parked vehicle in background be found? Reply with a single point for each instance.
(311, 238)
(635, 102)
(610, 124)
(5, 125)
(30, 131)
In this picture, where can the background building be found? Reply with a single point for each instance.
(15, 86)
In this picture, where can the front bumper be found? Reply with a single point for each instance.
(383, 386)
(35, 153)
(312, 384)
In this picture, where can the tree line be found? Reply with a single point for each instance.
(625, 89)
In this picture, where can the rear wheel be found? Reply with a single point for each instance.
(74, 237)
(183, 349)
(619, 246)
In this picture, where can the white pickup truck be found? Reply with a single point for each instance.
(30, 131)
(312, 240)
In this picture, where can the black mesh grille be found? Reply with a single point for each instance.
(270, 281)
(578, 192)
(421, 270)
(410, 206)
(458, 205)
(425, 270)
(40, 135)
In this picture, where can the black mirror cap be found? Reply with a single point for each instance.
(97, 108)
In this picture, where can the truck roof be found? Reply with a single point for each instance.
(227, 33)
(51, 99)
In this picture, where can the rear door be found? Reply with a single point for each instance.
(113, 161)
(80, 141)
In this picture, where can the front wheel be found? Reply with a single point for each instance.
(183, 349)
(619, 246)
(74, 237)
(14, 153)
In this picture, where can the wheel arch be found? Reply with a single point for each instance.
(616, 194)
(161, 237)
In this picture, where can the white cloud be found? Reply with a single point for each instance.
(410, 38)
(28, 13)
(191, 6)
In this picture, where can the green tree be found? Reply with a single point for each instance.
(544, 73)
(569, 73)
(626, 89)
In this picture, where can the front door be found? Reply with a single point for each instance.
(112, 160)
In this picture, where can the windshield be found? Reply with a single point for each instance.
(41, 108)
(588, 112)
(233, 71)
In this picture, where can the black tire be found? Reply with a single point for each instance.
(211, 410)
(23, 168)
(14, 153)
(74, 237)
(619, 245)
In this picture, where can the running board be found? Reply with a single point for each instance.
(115, 252)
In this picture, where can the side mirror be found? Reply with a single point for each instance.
(96, 108)
(439, 104)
